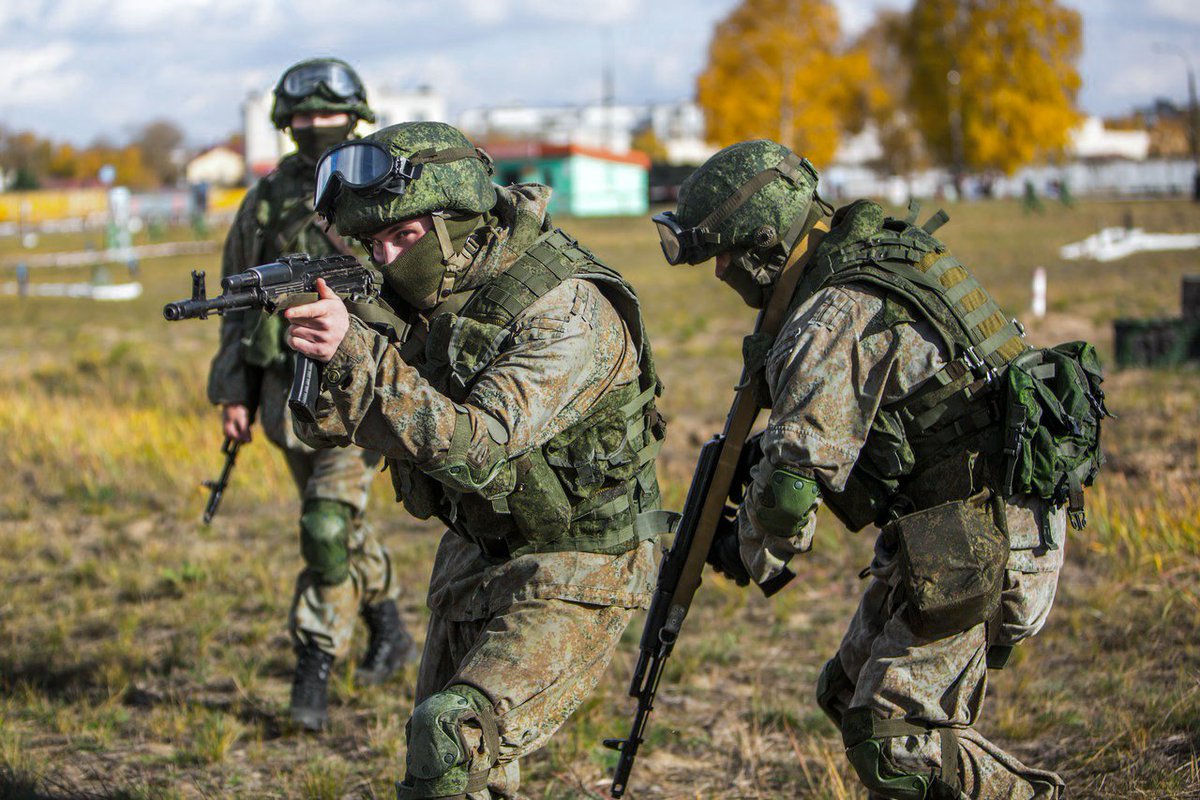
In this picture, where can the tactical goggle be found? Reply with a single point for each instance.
(367, 167)
(682, 246)
(338, 79)
(691, 245)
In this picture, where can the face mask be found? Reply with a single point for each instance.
(738, 275)
(314, 140)
(416, 275)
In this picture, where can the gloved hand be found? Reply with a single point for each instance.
(724, 555)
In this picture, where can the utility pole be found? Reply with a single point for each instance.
(1193, 111)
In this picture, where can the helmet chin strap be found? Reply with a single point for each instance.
(454, 261)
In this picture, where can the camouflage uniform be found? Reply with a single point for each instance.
(834, 363)
(252, 366)
(516, 640)
(883, 388)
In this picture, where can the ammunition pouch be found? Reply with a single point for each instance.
(951, 565)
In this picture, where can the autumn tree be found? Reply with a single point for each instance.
(161, 142)
(994, 82)
(777, 70)
(885, 103)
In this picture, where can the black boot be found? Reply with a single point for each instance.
(390, 644)
(310, 687)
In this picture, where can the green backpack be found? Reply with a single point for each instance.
(1054, 405)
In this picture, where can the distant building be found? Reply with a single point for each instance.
(1092, 140)
(265, 145)
(587, 181)
(217, 166)
(679, 127)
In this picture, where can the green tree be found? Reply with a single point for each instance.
(994, 82)
(777, 70)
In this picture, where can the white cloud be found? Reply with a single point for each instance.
(1184, 11)
(38, 74)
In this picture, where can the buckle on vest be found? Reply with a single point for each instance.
(978, 366)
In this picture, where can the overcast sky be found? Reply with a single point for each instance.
(77, 69)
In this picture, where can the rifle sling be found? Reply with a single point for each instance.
(742, 414)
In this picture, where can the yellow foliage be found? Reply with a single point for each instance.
(994, 82)
(776, 71)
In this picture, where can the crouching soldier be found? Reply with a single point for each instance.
(886, 389)
(523, 417)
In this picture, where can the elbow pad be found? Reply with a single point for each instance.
(786, 502)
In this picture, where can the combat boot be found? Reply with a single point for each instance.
(389, 647)
(310, 687)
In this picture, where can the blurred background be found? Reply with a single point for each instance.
(144, 655)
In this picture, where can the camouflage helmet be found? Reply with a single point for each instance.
(449, 174)
(319, 85)
(754, 200)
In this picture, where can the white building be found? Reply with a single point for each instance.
(217, 166)
(611, 127)
(1093, 140)
(265, 145)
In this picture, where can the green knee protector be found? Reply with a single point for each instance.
(786, 503)
(440, 762)
(832, 682)
(880, 777)
(325, 527)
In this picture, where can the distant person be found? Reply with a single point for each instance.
(347, 572)
(883, 386)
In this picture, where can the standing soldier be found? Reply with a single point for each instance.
(526, 423)
(883, 388)
(347, 572)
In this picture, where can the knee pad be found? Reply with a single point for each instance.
(325, 527)
(864, 735)
(831, 683)
(452, 745)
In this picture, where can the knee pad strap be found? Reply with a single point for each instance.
(863, 734)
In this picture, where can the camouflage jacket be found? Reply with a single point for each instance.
(840, 357)
(566, 351)
(274, 219)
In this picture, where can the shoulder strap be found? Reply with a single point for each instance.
(552, 258)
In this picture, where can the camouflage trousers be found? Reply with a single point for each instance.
(536, 660)
(324, 615)
(942, 682)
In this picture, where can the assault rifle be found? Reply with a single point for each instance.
(290, 281)
(216, 489)
(680, 573)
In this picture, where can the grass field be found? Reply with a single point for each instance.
(145, 656)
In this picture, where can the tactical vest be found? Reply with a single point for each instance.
(593, 487)
(942, 441)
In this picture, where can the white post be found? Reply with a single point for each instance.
(1039, 293)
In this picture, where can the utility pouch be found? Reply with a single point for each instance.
(951, 565)
(1053, 410)
(263, 347)
(539, 504)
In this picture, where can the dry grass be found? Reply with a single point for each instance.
(144, 656)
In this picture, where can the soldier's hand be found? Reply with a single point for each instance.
(317, 329)
(235, 422)
(725, 555)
